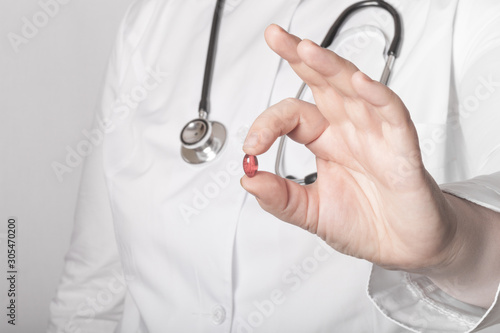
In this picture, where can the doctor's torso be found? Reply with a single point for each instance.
(199, 253)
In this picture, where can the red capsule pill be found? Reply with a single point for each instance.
(250, 165)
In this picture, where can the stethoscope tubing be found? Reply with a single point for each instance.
(200, 144)
(392, 54)
(204, 107)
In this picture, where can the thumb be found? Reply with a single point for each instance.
(283, 198)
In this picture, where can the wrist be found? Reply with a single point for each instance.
(467, 271)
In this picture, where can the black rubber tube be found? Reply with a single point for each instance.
(396, 40)
(212, 50)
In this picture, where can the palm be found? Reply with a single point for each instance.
(373, 198)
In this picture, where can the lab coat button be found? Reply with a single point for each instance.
(218, 315)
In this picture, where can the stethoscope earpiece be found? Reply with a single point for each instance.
(308, 180)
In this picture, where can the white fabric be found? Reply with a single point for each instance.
(198, 254)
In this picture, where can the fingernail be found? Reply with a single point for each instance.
(251, 140)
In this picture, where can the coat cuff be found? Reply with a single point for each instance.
(414, 302)
(482, 190)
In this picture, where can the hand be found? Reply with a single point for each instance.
(373, 198)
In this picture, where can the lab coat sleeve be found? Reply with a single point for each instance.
(92, 288)
(90, 294)
(412, 300)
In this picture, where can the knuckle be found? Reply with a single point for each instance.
(290, 102)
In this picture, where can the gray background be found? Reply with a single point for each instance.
(48, 93)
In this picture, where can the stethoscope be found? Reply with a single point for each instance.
(203, 139)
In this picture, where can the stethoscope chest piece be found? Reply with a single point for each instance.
(202, 140)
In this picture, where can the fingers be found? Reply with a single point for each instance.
(388, 105)
(341, 92)
(327, 75)
(336, 70)
(318, 67)
(284, 199)
(302, 122)
(285, 45)
(397, 127)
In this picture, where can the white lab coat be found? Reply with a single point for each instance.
(195, 251)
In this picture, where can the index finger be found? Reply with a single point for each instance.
(301, 121)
